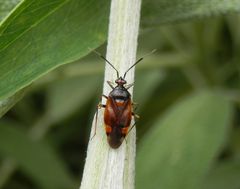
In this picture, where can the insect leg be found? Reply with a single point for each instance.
(135, 115)
(129, 86)
(99, 106)
(135, 106)
(104, 96)
(125, 140)
(110, 84)
(132, 127)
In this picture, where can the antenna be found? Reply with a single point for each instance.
(139, 60)
(99, 54)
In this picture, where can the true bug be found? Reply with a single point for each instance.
(118, 108)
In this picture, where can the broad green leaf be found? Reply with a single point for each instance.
(178, 150)
(8, 103)
(6, 6)
(41, 35)
(35, 158)
(224, 175)
(155, 12)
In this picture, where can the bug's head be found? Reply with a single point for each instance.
(120, 81)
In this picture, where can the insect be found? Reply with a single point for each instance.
(118, 108)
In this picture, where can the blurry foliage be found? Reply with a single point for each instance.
(188, 93)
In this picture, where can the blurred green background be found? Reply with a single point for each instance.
(188, 92)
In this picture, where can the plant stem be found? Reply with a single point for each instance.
(108, 168)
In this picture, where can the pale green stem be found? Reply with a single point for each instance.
(108, 168)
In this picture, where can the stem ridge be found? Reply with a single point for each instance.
(108, 168)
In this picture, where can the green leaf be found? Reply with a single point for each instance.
(8, 103)
(6, 6)
(41, 35)
(155, 12)
(36, 159)
(224, 175)
(178, 150)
